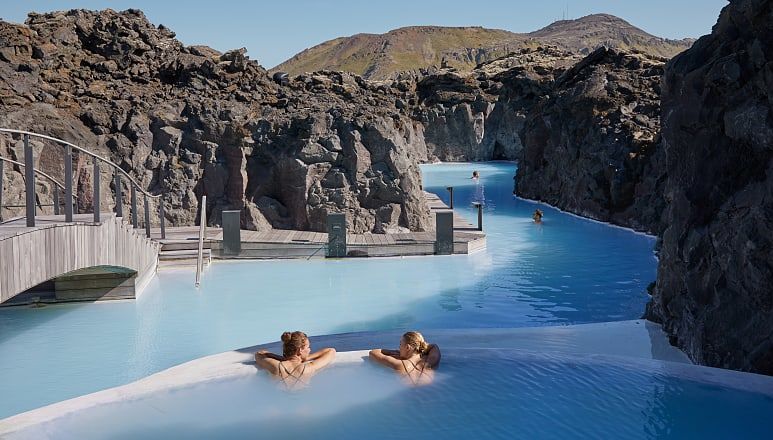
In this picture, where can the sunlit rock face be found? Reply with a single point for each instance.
(190, 121)
(714, 292)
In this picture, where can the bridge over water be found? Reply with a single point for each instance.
(61, 255)
(85, 260)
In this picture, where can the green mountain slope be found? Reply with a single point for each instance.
(378, 56)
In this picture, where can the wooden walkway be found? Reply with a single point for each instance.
(283, 243)
(53, 248)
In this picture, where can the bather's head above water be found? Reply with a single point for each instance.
(412, 343)
(295, 344)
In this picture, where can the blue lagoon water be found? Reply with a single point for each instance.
(477, 394)
(566, 271)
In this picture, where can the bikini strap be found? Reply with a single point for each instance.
(290, 374)
(408, 373)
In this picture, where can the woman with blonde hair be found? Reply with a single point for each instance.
(297, 364)
(415, 359)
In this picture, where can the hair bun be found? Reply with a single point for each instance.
(286, 336)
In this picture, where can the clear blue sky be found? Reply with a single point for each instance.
(274, 31)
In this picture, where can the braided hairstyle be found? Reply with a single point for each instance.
(292, 342)
(417, 343)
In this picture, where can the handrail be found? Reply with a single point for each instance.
(83, 150)
(96, 159)
(202, 225)
(55, 202)
(47, 176)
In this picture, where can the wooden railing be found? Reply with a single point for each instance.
(68, 178)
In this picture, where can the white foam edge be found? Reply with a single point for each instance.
(230, 364)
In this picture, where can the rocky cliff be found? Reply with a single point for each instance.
(478, 115)
(189, 121)
(714, 291)
(590, 142)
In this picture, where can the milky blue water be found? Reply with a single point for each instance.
(566, 271)
(477, 394)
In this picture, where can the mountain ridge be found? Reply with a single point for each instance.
(410, 48)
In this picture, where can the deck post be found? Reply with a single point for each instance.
(147, 217)
(68, 201)
(480, 215)
(232, 240)
(451, 199)
(444, 232)
(202, 234)
(162, 220)
(29, 178)
(134, 208)
(336, 235)
(55, 197)
(1, 190)
(118, 195)
(95, 202)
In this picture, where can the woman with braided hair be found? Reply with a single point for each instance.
(297, 364)
(415, 359)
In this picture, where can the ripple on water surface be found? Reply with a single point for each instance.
(477, 394)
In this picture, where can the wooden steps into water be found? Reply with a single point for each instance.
(183, 257)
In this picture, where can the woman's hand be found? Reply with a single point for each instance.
(265, 354)
(383, 357)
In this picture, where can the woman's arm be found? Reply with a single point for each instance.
(318, 354)
(433, 356)
(268, 361)
(320, 359)
(382, 357)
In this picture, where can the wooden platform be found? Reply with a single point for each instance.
(282, 243)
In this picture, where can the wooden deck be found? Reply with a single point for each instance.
(283, 243)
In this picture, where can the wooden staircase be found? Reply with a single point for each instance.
(181, 252)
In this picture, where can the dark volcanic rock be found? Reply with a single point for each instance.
(478, 115)
(190, 121)
(714, 292)
(590, 144)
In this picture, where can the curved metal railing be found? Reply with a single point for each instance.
(55, 194)
(118, 171)
(46, 175)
